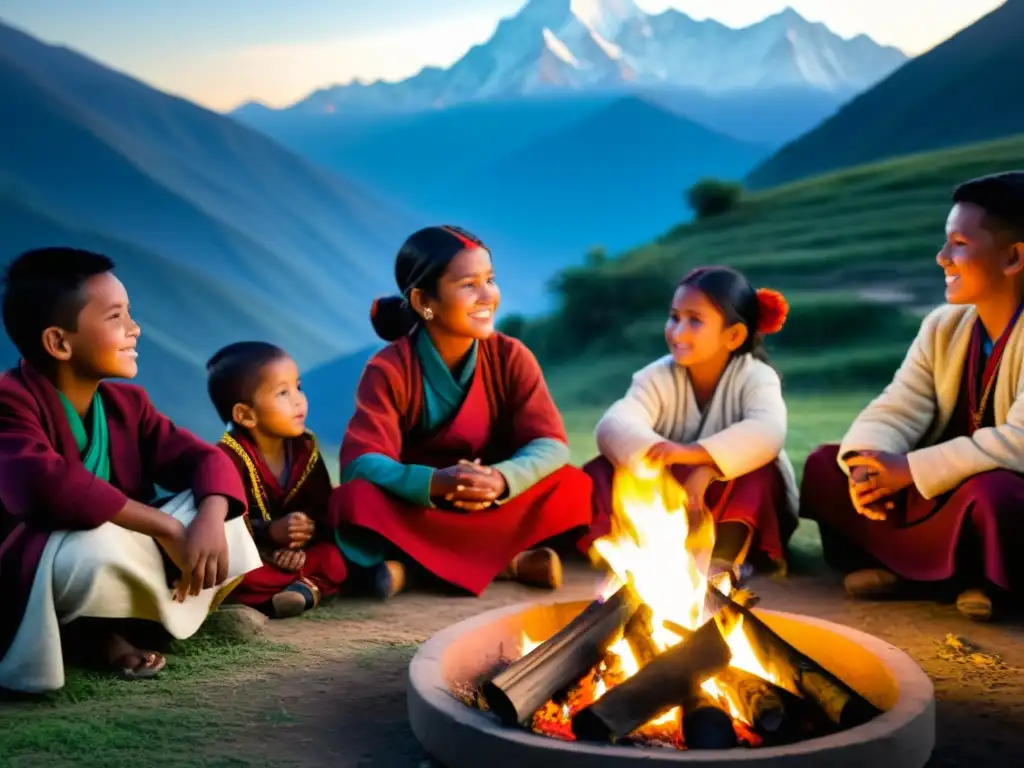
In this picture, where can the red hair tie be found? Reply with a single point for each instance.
(772, 311)
(373, 309)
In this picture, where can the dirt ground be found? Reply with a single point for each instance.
(340, 701)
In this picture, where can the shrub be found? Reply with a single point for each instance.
(713, 197)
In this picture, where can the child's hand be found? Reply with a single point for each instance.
(666, 453)
(206, 545)
(174, 544)
(886, 475)
(467, 483)
(292, 530)
(696, 485)
(862, 478)
(289, 559)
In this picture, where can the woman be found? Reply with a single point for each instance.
(456, 458)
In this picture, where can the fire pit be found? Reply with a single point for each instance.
(667, 663)
(459, 736)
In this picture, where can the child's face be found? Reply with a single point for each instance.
(977, 263)
(467, 296)
(696, 331)
(279, 405)
(104, 345)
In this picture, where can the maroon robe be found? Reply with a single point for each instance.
(975, 530)
(44, 487)
(757, 499)
(307, 490)
(506, 407)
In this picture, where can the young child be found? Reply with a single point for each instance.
(927, 484)
(711, 411)
(81, 547)
(456, 457)
(255, 388)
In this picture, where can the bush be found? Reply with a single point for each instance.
(713, 197)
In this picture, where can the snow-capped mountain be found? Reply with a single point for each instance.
(552, 45)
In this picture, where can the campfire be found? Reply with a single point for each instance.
(669, 655)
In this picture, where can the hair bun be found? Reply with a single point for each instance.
(392, 317)
(772, 311)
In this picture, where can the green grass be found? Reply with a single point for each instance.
(176, 719)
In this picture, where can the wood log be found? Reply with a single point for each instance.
(707, 724)
(797, 672)
(638, 633)
(655, 689)
(758, 701)
(528, 683)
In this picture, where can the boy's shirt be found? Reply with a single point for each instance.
(45, 487)
(306, 489)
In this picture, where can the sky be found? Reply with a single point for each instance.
(220, 53)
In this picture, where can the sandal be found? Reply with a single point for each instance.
(974, 604)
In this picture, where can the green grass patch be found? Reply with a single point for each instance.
(172, 720)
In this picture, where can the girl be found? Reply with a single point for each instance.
(456, 458)
(255, 388)
(712, 412)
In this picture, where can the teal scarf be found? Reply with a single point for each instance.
(95, 452)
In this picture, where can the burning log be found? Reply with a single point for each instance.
(519, 691)
(706, 723)
(758, 701)
(655, 688)
(638, 633)
(797, 672)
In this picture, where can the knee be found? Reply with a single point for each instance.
(996, 490)
(348, 496)
(823, 461)
(599, 466)
(573, 480)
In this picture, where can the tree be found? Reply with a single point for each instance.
(713, 197)
(596, 256)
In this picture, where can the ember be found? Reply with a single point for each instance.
(668, 656)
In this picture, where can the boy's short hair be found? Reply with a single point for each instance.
(1001, 196)
(43, 288)
(234, 374)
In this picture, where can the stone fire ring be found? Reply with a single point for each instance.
(461, 737)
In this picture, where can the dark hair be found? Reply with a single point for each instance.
(421, 261)
(737, 300)
(234, 373)
(43, 288)
(1001, 196)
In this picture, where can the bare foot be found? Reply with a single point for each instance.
(130, 663)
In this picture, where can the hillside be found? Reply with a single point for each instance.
(614, 178)
(967, 89)
(854, 252)
(220, 233)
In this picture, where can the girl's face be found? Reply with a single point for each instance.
(696, 331)
(467, 296)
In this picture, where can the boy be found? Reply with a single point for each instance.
(254, 386)
(81, 549)
(931, 487)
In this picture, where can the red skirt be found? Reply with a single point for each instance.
(756, 499)
(978, 527)
(467, 549)
(325, 567)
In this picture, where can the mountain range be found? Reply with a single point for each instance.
(964, 90)
(558, 45)
(219, 233)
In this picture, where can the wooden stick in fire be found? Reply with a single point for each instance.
(797, 672)
(706, 723)
(757, 700)
(655, 688)
(519, 691)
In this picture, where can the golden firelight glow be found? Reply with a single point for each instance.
(663, 551)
